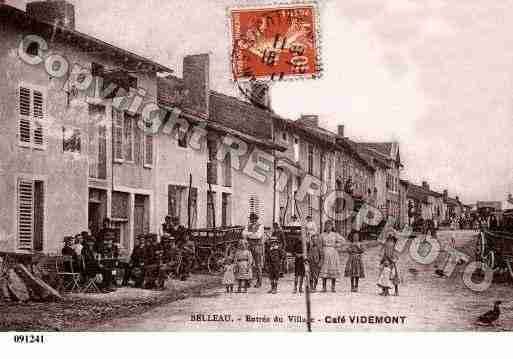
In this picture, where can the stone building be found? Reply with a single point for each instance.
(327, 156)
(385, 157)
(76, 149)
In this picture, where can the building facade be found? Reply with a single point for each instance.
(75, 154)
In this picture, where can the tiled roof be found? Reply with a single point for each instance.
(384, 148)
(453, 201)
(78, 39)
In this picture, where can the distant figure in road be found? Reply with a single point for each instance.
(354, 266)
(243, 266)
(315, 261)
(330, 268)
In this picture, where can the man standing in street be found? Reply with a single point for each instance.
(254, 234)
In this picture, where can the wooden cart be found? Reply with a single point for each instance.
(213, 246)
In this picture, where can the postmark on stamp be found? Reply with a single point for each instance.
(275, 42)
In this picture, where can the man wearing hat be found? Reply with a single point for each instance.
(134, 267)
(173, 227)
(254, 234)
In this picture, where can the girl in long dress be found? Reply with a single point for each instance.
(243, 264)
(389, 254)
(330, 268)
(385, 278)
(354, 264)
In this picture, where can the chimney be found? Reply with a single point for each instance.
(196, 79)
(445, 195)
(309, 120)
(58, 12)
(259, 94)
(425, 185)
(340, 129)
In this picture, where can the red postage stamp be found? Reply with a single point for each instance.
(275, 42)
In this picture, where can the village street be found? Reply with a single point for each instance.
(427, 302)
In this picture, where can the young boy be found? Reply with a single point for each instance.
(275, 255)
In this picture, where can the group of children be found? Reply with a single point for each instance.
(238, 268)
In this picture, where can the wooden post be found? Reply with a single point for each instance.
(307, 270)
(213, 206)
(189, 219)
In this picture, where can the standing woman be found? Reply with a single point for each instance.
(330, 269)
(354, 265)
(243, 264)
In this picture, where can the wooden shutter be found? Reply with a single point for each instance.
(228, 170)
(25, 214)
(25, 122)
(102, 152)
(39, 205)
(38, 113)
(148, 150)
(117, 118)
(138, 143)
(128, 139)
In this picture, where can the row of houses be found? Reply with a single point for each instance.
(73, 156)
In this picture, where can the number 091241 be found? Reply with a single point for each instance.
(29, 339)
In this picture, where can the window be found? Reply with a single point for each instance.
(117, 119)
(211, 222)
(97, 145)
(30, 214)
(71, 140)
(228, 170)
(33, 49)
(128, 137)
(310, 159)
(31, 106)
(182, 136)
(177, 202)
(284, 136)
(254, 204)
(226, 210)
(296, 149)
(148, 147)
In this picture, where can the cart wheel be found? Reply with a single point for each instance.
(215, 262)
(490, 260)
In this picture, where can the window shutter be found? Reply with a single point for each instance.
(38, 112)
(24, 101)
(24, 107)
(148, 150)
(102, 152)
(25, 214)
(128, 132)
(118, 134)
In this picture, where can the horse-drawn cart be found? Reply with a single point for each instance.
(213, 245)
(495, 249)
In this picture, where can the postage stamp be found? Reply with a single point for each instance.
(275, 42)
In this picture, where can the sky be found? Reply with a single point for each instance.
(436, 76)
